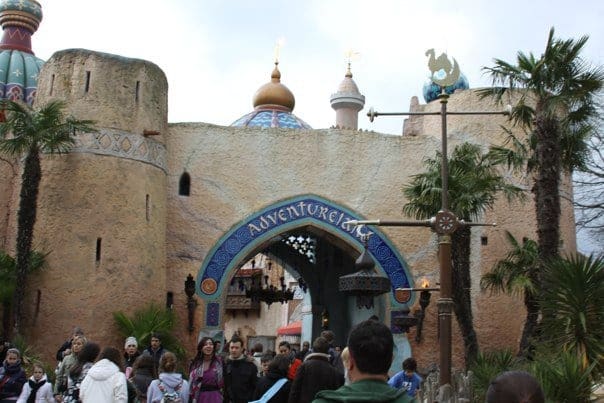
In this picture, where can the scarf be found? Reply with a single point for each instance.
(34, 389)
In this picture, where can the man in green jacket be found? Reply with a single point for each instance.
(370, 344)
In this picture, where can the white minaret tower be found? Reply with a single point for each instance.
(347, 103)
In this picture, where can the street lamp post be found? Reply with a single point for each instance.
(445, 222)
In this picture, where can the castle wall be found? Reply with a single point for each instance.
(120, 185)
(102, 207)
(238, 171)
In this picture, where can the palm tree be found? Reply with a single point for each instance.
(556, 106)
(573, 307)
(474, 184)
(516, 274)
(8, 283)
(27, 132)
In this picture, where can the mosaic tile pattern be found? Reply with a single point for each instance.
(271, 118)
(19, 75)
(282, 217)
(123, 145)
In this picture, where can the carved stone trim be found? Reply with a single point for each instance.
(122, 145)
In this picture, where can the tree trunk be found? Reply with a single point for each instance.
(462, 298)
(547, 197)
(525, 348)
(547, 187)
(26, 219)
(6, 320)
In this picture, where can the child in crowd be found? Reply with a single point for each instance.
(38, 388)
(407, 378)
(12, 376)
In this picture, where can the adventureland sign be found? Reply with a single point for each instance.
(300, 210)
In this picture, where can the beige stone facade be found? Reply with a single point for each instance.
(120, 185)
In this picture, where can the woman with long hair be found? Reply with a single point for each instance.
(62, 373)
(143, 373)
(77, 373)
(105, 381)
(205, 374)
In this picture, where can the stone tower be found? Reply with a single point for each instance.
(347, 103)
(102, 207)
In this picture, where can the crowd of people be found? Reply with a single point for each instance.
(320, 374)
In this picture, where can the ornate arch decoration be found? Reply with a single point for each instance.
(258, 229)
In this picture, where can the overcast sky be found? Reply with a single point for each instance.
(217, 53)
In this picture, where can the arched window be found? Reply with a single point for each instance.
(184, 185)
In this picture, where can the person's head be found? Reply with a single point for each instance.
(205, 347)
(217, 345)
(167, 362)
(130, 345)
(306, 346)
(285, 347)
(329, 336)
(320, 345)
(144, 363)
(258, 348)
(410, 365)
(13, 356)
(236, 347)
(89, 352)
(38, 371)
(370, 344)
(279, 364)
(112, 354)
(76, 332)
(265, 361)
(155, 341)
(515, 387)
(78, 343)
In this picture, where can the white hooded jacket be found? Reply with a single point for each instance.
(104, 383)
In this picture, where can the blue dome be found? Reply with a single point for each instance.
(432, 91)
(19, 67)
(271, 118)
(19, 75)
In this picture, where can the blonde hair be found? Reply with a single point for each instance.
(345, 355)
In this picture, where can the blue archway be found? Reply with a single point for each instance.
(250, 234)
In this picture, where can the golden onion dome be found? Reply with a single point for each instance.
(274, 93)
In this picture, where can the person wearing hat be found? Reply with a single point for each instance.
(131, 353)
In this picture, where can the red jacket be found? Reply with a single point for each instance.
(293, 368)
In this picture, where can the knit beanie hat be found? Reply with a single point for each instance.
(131, 341)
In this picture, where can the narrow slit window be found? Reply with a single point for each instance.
(184, 185)
(147, 208)
(169, 300)
(137, 91)
(98, 249)
(484, 240)
(87, 85)
(52, 83)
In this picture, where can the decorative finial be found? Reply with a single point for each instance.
(443, 72)
(278, 45)
(350, 56)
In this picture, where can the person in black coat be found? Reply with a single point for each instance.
(277, 370)
(240, 374)
(12, 376)
(315, 374)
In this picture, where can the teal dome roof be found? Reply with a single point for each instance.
(19, 67)
(432, 90)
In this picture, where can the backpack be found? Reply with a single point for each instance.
(170, 397)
